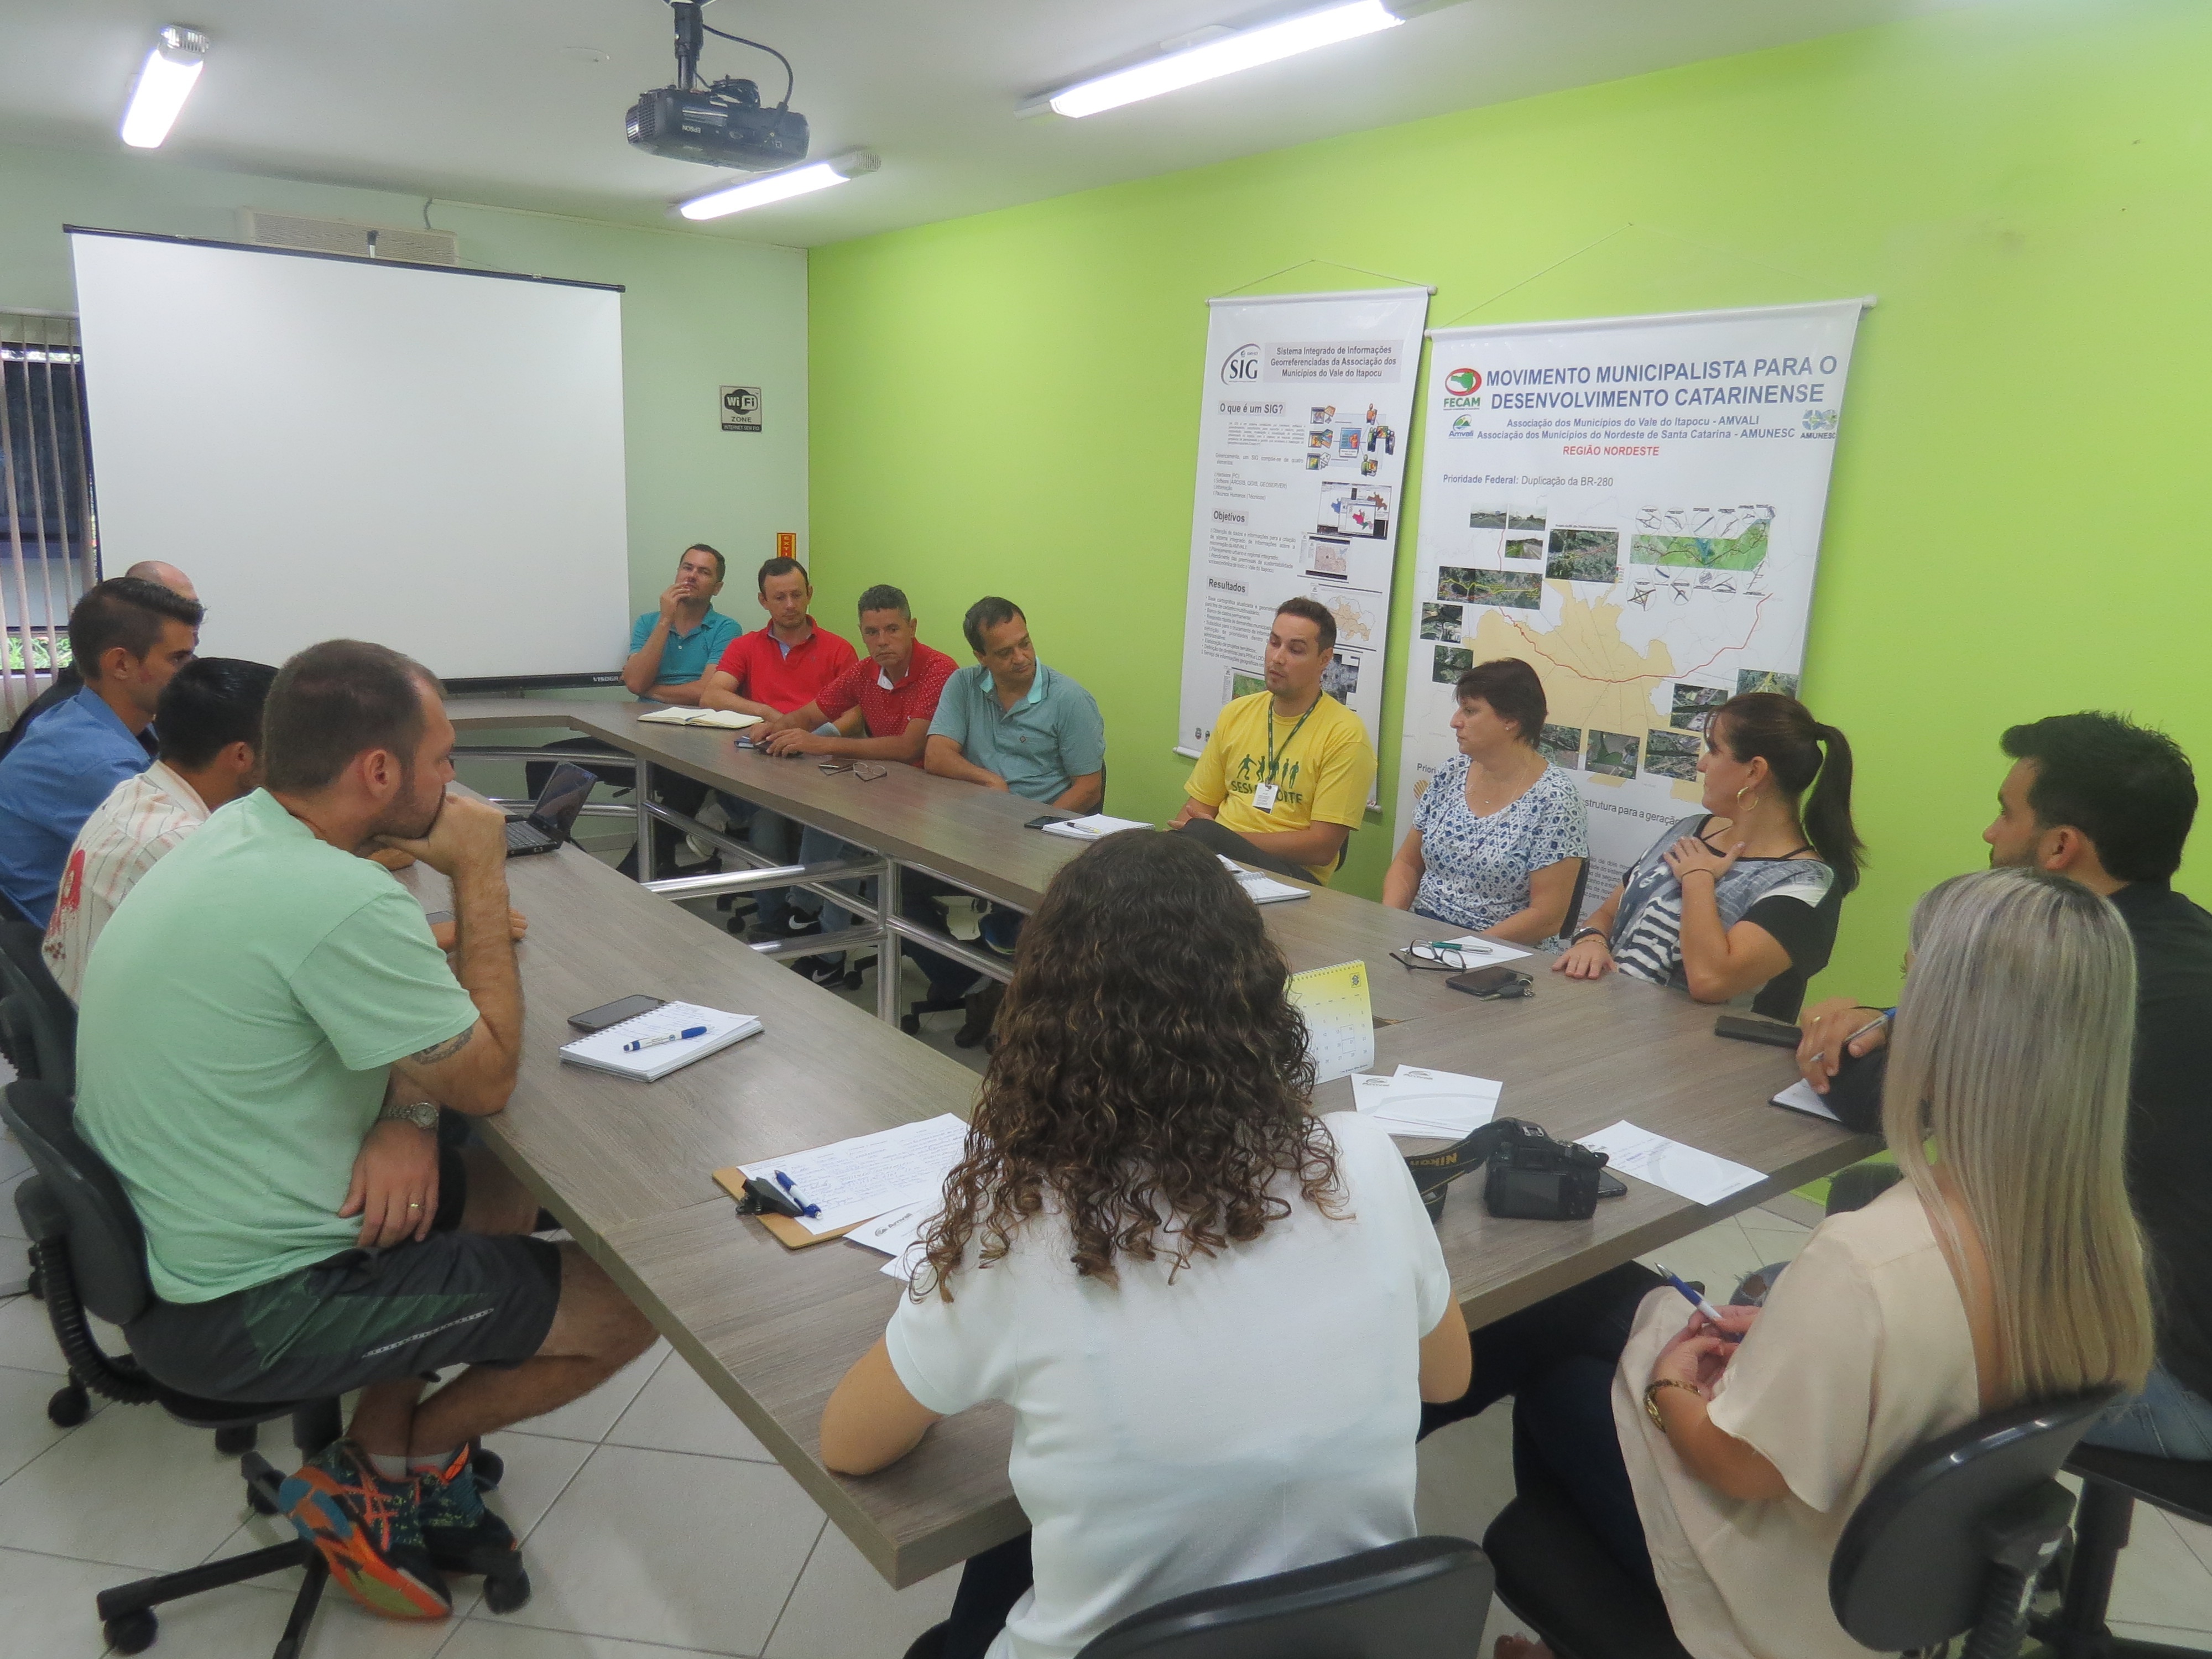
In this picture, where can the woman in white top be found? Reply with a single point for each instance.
(1498, 836)
(1215, 1314)
(2006, 1267)
(1744, 896)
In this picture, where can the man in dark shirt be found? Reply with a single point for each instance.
(2109, 803)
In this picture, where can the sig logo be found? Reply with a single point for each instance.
(1241, 366)
(1462, 381)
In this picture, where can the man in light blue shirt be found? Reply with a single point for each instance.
(129, 638)
(672, 648)
(1011, 723)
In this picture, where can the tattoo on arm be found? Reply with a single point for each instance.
(445, 1050)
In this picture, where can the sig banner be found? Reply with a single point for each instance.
(1301, 479)
(1632, 505)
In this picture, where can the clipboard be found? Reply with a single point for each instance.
(784, 1228)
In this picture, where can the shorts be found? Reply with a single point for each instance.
(361, 1316)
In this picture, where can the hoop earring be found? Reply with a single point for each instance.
(1740, 808)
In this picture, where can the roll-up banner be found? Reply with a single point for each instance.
(1300, 480)
(1632, 505)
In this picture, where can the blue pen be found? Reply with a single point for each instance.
(1694, 1299)
(687, 1032)
(789, 1187)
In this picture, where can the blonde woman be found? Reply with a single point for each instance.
(2006, 1266)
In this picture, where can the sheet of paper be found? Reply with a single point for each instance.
(1485, 952)
(895, 1234)
(1420, 1101)
(1701, 1177)
(872, 1176)
(1260, 887)
(1096, 827)
(1340, 1016)
(1803, 1096)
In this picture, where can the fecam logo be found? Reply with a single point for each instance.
(1461, 381)
(1242, 367)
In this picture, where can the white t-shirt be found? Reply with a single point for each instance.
(143, 819)
(1863, 1352)
(1257, 1414)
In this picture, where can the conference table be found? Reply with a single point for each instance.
(627, 1166)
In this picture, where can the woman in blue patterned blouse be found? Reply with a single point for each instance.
(1499, 836)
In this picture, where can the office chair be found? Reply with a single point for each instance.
(1950, 1541)
(1575, 900)
(44, 1015)
(1423, 1598)
(91, 1255)
(2112, 1482)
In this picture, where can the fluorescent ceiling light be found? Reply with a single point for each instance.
(164, 82)
(780, 186)
(1245, 49)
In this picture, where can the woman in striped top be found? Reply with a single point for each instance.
(1744, 896)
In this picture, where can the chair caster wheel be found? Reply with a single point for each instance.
(508, 1591)
(68, 1407)
(490, 1468)
(132, 1633)
(237, 1439)
(259, 1501)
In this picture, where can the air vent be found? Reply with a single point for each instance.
(364, 241)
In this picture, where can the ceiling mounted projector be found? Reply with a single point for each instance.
(723, 125)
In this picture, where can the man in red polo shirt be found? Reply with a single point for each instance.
(882, 707)
(770, 672)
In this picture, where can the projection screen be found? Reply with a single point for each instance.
(424, 457)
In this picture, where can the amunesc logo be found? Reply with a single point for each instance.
(1241, 366)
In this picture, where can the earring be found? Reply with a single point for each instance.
(1740, 808)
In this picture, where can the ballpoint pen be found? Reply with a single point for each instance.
(792, 1189)
(1696, 1300)
(686, 1033)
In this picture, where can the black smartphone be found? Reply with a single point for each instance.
(1773, 1033)
(1609, 1188)
(614, 1013)
(1043, 818)
(1491, 982)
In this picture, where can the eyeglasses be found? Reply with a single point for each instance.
(1438, 956)
(865, 771)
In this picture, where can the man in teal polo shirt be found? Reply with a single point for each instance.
(1011, 723)
(672, 651)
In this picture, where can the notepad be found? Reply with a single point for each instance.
(870, 1175)
(1340, 1018)
(1483, 952)
(1096, 827)
(1259, 888)
(1803, 1096)
(1702, 1177)
(603, 1051)
(1418, 1100)
(722, 720)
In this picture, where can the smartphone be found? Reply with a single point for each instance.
(1043, 818)
(614, 1013)
(1771, 1032)
(1491, 982)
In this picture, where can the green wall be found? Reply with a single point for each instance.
(1009, 403)
(700, 312)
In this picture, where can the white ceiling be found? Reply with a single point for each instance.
(521, 103)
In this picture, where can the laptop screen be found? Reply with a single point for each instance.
(562, 798)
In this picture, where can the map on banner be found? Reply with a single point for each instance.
(1632, 507)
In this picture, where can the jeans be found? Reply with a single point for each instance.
(819, 847)
(2165, 1420)
(1557, 1359)
(948, 980)
(990, 1584)
(776, 838)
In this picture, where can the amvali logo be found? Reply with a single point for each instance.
(1461, 381)
(1241, 366)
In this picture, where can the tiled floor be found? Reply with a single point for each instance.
(654, 1525)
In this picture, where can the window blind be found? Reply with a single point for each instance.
(48, 533)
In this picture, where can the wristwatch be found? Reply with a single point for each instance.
(423, 1114)
(1651, 1396)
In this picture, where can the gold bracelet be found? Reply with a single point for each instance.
(1651, 1396)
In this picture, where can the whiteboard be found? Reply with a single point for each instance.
(337, 447)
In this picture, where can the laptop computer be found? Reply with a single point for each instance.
(546, 825)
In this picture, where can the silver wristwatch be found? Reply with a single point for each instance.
(423, 1114)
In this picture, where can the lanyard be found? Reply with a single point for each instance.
(1271, 761)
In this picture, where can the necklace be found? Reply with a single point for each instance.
(1500, 794)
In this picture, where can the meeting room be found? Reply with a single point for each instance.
(1346, 718)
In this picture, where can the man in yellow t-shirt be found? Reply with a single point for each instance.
(1285, 775)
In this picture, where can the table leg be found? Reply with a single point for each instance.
(645, 871)
(887, 953)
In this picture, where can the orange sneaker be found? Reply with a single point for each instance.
(369, 1531)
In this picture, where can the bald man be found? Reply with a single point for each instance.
(67, 682)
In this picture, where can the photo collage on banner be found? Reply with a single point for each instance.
(1633, 507)
(1301, 477)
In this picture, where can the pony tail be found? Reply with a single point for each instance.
(1827, 812)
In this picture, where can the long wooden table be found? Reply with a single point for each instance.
(626, 1165)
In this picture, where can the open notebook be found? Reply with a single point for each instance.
(721, 720)
(603, 1051)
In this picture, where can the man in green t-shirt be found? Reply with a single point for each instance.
(266, 1031)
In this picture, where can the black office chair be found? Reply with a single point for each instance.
(41, 1032)
(2112, 1482)
(91, 1256)
(1575, 900)
(1950, 1541)
(1425, 1598)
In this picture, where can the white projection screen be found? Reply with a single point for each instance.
(427, 458)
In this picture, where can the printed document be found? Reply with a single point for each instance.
(1701, 1177)
(871, 1176)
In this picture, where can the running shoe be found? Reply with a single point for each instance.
(461, 1534)
(369, 1531)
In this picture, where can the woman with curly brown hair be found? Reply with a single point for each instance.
(1215, 1314)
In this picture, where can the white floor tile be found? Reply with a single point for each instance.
(244, 1621)
(2160, 1581)
(842, 1608)
(656, 1546)
(483, 1638)
(26, 1340)
(12, 1235)
(1466, 1475)
(24, 1430)
(590, 1418)
(13, 1160)
(50, 1604)
(2168, 1635)
(2197, 1536)
(676, 1412)
(132, 1486)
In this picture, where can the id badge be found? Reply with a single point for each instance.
(1263, 797)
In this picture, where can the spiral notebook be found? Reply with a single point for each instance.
(603, 1051)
